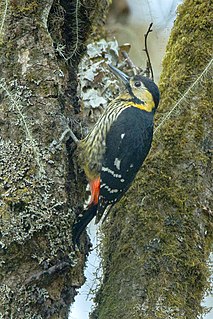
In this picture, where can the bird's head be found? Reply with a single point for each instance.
(140, 90)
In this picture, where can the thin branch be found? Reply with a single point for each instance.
(149, 65)
(133, 67)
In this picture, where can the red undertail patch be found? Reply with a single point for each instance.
(95, 191)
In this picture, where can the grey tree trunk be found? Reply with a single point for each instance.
(40, 46)
(156, 245)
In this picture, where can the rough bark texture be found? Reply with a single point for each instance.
(40, 46)
(156, 245)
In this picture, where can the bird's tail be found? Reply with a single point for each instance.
(81, 225)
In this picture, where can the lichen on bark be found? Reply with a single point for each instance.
(39, 193)
(156, 245)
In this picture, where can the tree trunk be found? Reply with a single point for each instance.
(157, 242)
(40, 46)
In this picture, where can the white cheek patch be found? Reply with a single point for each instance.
(122, 135)
(117, 163)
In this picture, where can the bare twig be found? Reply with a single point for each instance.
(149, 65)
(136, 70)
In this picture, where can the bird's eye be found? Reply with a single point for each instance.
(137, 84)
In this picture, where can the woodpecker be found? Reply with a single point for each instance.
(113, 152)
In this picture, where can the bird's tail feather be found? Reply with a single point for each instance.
(81, 225)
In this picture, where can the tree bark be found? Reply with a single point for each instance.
(157, 242)
(41, 43)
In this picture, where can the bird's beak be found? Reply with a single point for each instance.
(119, 74)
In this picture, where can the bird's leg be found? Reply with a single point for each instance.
(71, 134)
(63, 138)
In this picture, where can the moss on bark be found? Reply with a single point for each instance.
(157, 242)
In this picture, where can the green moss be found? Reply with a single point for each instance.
(157, 242)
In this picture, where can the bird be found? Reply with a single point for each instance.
(115, 149)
